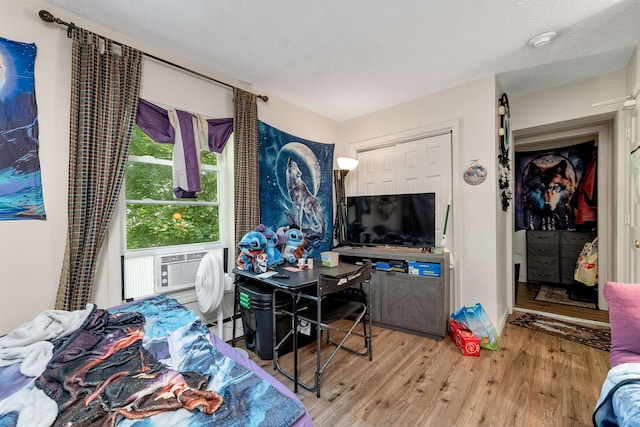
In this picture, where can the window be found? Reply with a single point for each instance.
(154, 218)
(156, 223)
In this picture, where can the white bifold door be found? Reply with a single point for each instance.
(417, 166)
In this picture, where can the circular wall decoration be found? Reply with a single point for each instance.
(474, 174)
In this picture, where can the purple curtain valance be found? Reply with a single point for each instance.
(154, 121)
(161, 126)
(219, 132)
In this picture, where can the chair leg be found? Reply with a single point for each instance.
(370, 338)
(364, 329)
(317, 384)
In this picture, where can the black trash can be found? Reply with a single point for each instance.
(257, 320)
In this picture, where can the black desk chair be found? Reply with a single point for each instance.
(339, 298)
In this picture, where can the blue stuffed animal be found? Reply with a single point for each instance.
(274, 240)
(294, 245)
(251, 244)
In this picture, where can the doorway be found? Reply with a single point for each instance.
(551, 138)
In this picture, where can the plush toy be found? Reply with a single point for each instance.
(251, 244)
(274, 240)
(301, 251)
(294, 240)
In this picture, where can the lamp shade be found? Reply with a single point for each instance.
(345, 163)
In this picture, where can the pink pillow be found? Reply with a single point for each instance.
(624, 317)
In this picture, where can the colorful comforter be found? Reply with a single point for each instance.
(109, 371)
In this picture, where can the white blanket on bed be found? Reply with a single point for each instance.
(30, 345)
(31, 407)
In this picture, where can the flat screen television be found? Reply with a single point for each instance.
(395, 220)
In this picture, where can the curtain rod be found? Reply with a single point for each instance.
(48, 17)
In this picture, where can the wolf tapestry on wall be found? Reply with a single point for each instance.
(557, 189)
(20, 182)
(296, 186)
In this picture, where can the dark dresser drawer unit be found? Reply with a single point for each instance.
(543, 254)
(552, 255)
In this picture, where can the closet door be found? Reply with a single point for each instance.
(377, 172)
(418, 166)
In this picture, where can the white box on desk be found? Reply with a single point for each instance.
(330, 259)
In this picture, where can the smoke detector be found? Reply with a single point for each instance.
(543, 39)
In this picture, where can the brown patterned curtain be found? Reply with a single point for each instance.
(247, 175)
(104, 97)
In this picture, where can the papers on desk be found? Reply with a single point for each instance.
(266, 274)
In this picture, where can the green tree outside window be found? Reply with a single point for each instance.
(154, 218)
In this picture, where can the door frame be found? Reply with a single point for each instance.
(605, 229)
(628, 129)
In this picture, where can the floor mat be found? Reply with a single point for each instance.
(599, 338)
(559, 295)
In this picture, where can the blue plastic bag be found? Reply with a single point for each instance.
(477, 320)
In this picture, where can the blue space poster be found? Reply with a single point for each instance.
(20, 182)
(296, 186)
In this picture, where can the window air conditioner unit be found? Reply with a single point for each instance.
(175, 272)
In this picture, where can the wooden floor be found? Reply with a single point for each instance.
(533, 379)
(525, 300)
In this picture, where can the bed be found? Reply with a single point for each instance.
(146, 363)
(619, 401)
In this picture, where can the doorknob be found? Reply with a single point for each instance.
(637, 244)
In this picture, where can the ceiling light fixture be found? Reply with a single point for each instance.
(543, 39)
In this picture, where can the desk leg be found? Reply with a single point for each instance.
(274, 329)
(235, 310)
(295, 344)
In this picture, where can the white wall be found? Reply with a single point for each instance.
(568, 102)
(298, 121)
(31, 252)
(632, 76)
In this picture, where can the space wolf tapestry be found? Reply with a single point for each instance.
(296, 186)
(557, 189)
(20, 182)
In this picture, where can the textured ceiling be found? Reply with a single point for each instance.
(347, 58)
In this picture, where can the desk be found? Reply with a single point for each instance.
(297, 283)
(299, 279)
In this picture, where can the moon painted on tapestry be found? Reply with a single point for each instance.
(296, 177)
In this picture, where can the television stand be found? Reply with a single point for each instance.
(410, 303)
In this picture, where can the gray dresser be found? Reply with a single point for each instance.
(415, 304)
(552, 255)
